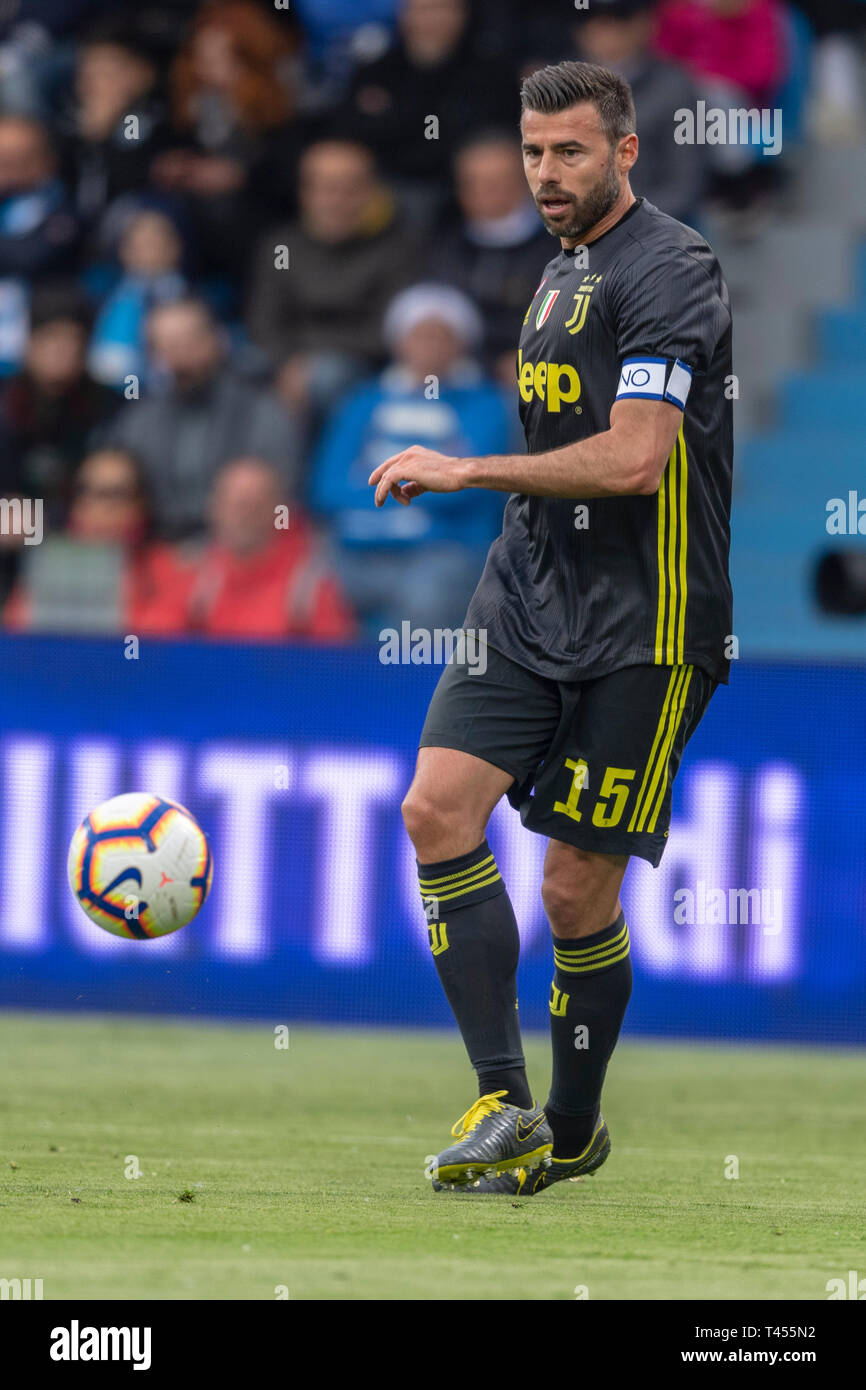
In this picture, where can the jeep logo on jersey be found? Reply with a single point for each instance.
(555, 383)
(547, 304)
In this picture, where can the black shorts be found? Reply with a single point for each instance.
(593, 761)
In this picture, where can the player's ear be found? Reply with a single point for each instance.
(626, 152)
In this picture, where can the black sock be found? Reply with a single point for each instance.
(475, 945)
(588, 999)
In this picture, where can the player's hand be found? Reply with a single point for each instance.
(415, 470)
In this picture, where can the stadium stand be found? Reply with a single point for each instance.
(172, 148)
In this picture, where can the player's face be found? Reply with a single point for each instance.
(574, 174)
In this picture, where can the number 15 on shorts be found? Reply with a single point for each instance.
(612, 794)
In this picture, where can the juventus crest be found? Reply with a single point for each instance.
(581, 303)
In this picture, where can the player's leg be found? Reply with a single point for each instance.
(475, 944)
(487, 729)
(591, 987)
(449, 802)
(588, 998)
(484, 735)
(473, 932)
(603, 794)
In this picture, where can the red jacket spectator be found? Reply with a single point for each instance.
(284, 590)
(251, 579)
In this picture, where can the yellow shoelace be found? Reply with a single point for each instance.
(485, 1105)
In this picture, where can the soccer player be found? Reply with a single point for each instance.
(606, 607)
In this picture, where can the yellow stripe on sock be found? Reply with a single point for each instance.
(586, 952)
(453, 878)
(619, 955)
(465, 889)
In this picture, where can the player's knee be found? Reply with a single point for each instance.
(559, 904)
(413, 809)
(564, 893)
(425, 817)
(436, 827)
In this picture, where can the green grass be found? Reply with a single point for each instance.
(306, 1169)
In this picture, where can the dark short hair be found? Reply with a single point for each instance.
(60, 301)
(563, 85)
(120, 31)
(490, 137)
(140, 476)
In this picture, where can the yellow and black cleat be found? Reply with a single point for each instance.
(526, 1183)
(493, 1138)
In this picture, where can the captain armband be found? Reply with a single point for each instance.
(651, 379)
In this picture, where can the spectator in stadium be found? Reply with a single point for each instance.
(838, 101)
(197, 414)
(618, 34)
(37, 229)
(737, 53)
(420, 563)
(110, 508)
(35, 49)
(431, 70)
(330, 25)
(319, 318)
(116, 123)
(263, 572)
(236, 142)
(497, 249)
(38, 233)
(736, 47)
(51, 411)
(336, 32)
(150, 253)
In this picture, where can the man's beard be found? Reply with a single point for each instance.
(587, 211)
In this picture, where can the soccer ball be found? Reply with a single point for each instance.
(140, 866)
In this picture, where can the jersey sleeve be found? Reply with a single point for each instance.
(668, 318)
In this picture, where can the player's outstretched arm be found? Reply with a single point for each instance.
(627, 459)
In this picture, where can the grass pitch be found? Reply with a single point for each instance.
(301, 1171)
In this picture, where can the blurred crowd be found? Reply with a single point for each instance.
(249, 250)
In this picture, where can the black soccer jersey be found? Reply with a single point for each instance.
(574, 588)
